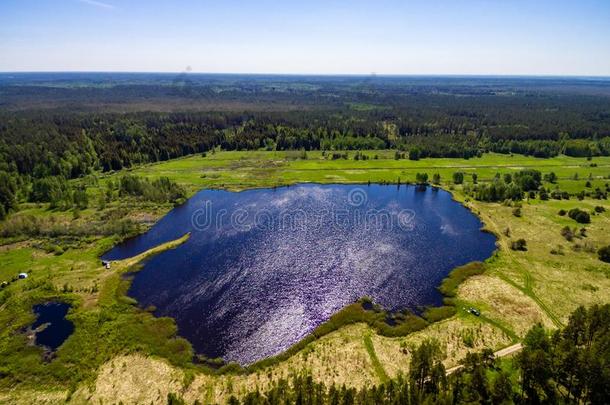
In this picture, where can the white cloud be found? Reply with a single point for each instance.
(98, 4)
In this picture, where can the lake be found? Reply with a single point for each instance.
(56, 327)
(265, 267)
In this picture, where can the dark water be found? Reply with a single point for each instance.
(58, 328)
(264, 267)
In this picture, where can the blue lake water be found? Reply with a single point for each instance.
(58, 328)
(264, 267)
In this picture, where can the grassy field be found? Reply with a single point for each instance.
(118, 351)
(236, 170)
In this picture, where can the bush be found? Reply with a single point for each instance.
(580, 216)
(435, 314)
(497, 190)
(528, 179)
(599, 209)
(604, 254)
(436, 178)
(519, 244)
(557, 251)
(562, 212)
(559, 195)
(567, 233)
(550, 177)
(517, 212)
(421, 178)
(458, 177)
(160, 190)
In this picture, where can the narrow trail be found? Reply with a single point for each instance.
(507, 351)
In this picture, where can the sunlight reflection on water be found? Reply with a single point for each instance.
(247, 292)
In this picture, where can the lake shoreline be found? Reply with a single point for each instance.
(382, 320)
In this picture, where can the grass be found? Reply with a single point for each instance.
(516, 290)
(377, 366)
(237, 170)
(451, 283)
(105, 325)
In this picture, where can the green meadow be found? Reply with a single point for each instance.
(513, 289)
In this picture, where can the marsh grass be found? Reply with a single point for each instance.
(516, 289)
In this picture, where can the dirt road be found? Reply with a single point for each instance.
(500, 353)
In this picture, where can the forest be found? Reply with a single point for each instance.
(568, 366)
(68, 126)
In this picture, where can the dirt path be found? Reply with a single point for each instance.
(528, 282)
(507, 351)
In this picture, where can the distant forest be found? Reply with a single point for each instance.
(69, 125)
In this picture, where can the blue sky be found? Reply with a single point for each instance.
(328, 37)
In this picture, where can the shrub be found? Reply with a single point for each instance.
(557, 251)
(550, 177)
(599, 209)
(558, 195)
(528, 179)
(421, 178)
(435, 314)
(604, 254)
(519, 244)
(580, 216)
(436, 178)
(458, 177)
(517, 212)
(567, 233)
(160, 190)
(562, 212)
(468, 338)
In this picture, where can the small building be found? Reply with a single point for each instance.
(3, 284)
(106, 264)
(23, 275)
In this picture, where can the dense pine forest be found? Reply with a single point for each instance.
(67, 126)
(565, 366)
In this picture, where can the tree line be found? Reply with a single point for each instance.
(416, 119)
(570, 365)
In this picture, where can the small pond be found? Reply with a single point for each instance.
(264, 267)
(51, 326)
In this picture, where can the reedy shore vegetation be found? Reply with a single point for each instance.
(514, 289)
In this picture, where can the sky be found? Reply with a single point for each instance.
(393, 37)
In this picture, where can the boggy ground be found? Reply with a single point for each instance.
(121, 353)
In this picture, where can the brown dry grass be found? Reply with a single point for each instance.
(133, 379)
(501, 301)
(339, 357)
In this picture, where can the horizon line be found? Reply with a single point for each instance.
(372, 74)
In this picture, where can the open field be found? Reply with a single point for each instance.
(107, 358)
(237, 170)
